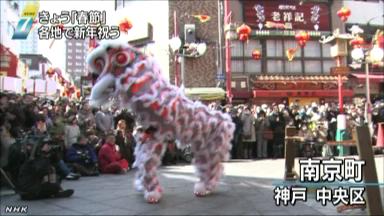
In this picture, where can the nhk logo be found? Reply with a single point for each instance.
(25, 23)
(16, 209)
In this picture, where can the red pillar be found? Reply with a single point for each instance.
(227, 55)
(340, 85)
(175, 34)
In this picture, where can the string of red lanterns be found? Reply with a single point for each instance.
(69, 88)
(125, 25)
(243, 32)
(344, 13)
(302, 37)
(256, 54)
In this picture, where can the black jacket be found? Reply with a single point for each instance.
(32, 173)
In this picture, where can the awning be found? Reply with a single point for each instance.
(205, 94)
(296, 78)
(300, 93)
(372, 77)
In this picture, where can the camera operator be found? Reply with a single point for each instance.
(82, 157)
(37, 177)
(39, 132)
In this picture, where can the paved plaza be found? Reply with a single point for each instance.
(247, 189)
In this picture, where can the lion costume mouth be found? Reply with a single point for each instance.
(102, 90)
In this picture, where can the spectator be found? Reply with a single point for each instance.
(37, 178)
(104, 121)
(249, 133)
(263, 134)
(82, 157)
(125, 141)
(277, 124)
(72, 132)
(85, 117)
(110, 159)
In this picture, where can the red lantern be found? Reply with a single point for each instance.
(380, 40)
(256, 54)
(50, 72)
(125, 25)
(344, 13)
(357, 42)
(302, 37)
(202, 18)
(243, 37)
(243, 31)
(78, 94)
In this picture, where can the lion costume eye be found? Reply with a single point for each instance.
(99, 63)
(123, 58)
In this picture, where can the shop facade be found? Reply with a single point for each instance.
(275, 78)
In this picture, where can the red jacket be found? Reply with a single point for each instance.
(107, 155)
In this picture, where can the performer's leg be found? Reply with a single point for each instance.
(148, 159)
(153, 190)
(208, 156)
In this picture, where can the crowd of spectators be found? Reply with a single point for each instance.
(260, 129)
(44, 141)
(50, 140)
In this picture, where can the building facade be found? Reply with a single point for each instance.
(75, 62)
(202, 71)
(9, 48)
(306, 77)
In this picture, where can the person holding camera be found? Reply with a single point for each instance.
(39, 133)
(82, 157)
(37, 177)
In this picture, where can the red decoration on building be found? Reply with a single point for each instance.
(202, 18)
(256, 54)
(243, 31)
(302, 37)
(125, 25)
(50, 72)
(344, 13)
(357, 42)
(380, 40)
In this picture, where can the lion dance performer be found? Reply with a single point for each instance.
(135, 79)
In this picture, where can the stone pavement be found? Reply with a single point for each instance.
(245, 190)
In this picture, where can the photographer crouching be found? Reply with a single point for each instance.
(82, 157)
(37, 176)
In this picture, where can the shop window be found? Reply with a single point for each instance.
(312, 49)
(327, 66)
(236, 48)
(274, 48)
(291, 44)
(237, 66)
(327, 50)
(293, 67)
(312, 66)
(275, 66)
(253, 66)
(250, 46)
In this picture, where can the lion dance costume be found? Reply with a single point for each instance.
(135, 79)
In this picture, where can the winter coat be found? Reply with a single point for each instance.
(126, 145)
(104, 121)
(32, 173)
(249, 133)
(72, 132)
(107, 155)
(81, 154)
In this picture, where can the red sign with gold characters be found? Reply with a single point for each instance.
(287, 15)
